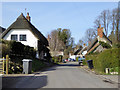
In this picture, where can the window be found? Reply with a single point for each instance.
(14, 37)
(22, 37)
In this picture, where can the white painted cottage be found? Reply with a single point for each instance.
(23, 31)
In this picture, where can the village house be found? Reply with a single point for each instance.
(23, 31)
(95, 45)
(2, 30)
(81, 52)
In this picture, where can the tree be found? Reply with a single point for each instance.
(115, 24)
(55, 43)
(97, 22)
(90, 34)
(105, 18)
(60, 39)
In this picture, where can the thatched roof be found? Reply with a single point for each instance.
(2, 30)
(22, 23)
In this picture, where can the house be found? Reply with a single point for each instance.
(2, 30)
(74, 53)
(81, 51)
(95, 45)
(23, 31)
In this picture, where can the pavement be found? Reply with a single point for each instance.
(110, 78)
(66, 75)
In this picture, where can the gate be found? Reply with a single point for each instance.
(4, 62)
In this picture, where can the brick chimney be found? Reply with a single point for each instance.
(100, 31)
(28, 17)
(84, 44)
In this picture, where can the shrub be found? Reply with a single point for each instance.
(5, 49)
(106, 59)
(37, 65)
(116, 45)
(15, 49)
(105, 45)
(15, 68)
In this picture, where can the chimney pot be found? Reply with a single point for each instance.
(99, 25)
(28, 17)
(84, 44)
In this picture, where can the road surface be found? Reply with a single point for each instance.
(67, 75)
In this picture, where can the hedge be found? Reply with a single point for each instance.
(16, 51)
(13, 48)
(109, 58)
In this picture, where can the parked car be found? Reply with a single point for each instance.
(73, 60)
(69, 59)
(64, 61)
(80, 60)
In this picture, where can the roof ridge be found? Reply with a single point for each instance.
(22, 23)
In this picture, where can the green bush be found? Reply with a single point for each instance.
(15, 68)
(5, 50)
(105, 45)
(37, 65)
(84, 62)
(17, 52)
(56, 59)
(116, 45)
(77, 59)
(106, 59)
(17, 49)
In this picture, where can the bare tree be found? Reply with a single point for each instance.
(97, 22)
(105, 18)
(80, 43)
(114, 24)
(90, 34)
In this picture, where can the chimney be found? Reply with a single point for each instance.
(28, 17)
(89, 42)
(84, 44)
(100, 31)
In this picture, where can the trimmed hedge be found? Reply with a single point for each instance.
(109, 58)
(17, 49)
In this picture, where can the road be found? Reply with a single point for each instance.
(67, 75)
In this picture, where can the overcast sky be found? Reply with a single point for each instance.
(47, 16)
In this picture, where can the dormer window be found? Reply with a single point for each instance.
(14, 37)
(23, 37)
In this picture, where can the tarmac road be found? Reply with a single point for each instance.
(67, 75)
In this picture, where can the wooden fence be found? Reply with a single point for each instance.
(4, 62)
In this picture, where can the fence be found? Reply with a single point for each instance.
(4, 62)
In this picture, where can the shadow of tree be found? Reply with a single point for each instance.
(71, 65)
(24, 82)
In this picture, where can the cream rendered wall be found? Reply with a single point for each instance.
(31, 39)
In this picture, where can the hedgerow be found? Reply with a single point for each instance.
(109, 58)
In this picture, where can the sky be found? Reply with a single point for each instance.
(48, 16)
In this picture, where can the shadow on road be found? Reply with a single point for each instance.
(69, 64)
(24, 82)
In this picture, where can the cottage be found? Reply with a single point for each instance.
(23, 31)
(2, 30)
(95, 45)
(81, 51)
